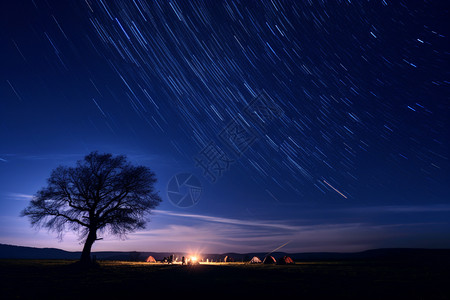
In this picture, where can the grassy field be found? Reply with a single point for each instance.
(59, 279)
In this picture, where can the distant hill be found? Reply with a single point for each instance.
(11, 251)
(389, 254)
(21, 252)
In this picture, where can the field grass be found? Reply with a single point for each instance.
(60, 279)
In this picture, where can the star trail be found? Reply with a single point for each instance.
(281, 109)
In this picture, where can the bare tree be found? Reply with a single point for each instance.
(101, 194)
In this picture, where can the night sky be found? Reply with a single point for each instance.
(320, 124)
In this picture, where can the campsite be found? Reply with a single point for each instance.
(60, 279)
(204, 149)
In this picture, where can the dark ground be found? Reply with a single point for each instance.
(60, 279)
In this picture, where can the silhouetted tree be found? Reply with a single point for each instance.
(101, 194)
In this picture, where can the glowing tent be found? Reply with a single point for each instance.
(255, 260)
(286, 260)
(269, 260)
(228, 259)
(150, 259)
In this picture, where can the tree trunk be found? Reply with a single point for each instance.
(86, 254)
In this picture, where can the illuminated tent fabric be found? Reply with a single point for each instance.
(255, 260)
(192, 262)
(269, 260)
(150, 259)
(285, 260)
(228, 259)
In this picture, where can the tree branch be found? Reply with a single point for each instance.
(71, 219)
(118, 198)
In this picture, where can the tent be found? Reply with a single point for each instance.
(269, 260)
(228, 259)
(150, 259)
(286, 260)
(255, 260)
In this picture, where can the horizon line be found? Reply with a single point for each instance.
(242, 253)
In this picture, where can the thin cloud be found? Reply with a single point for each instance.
(19, 196)
(255, 223)
(401, 208)
(223, 234)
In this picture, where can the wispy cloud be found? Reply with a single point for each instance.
(254, 223)
(230, 234)
(3, 160)
(19, 196)
(223, 235)
(233, 234)
(401, 208)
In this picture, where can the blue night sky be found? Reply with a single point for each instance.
(321, 124)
